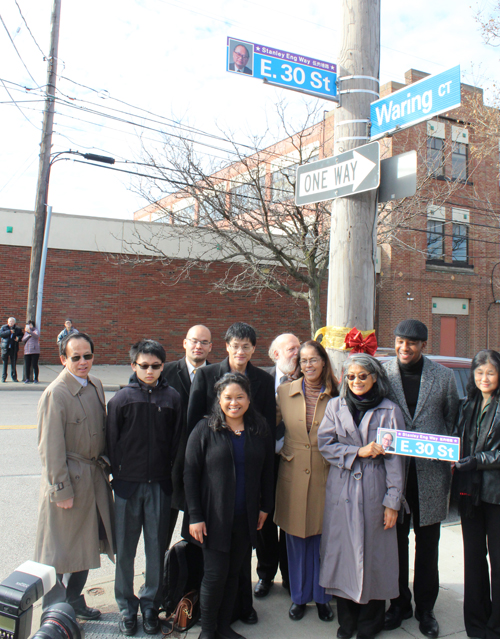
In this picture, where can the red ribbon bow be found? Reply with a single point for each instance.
(354, 339)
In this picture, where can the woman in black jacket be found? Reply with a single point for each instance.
(228, 478)
(477, 477)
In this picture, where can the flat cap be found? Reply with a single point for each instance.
(412, 329)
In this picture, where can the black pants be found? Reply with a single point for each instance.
(220, 578)
(68, 589)
(481, 597)
(271, 544)
(31, 361)
(13, 362)
(367, 619)
(426, 578)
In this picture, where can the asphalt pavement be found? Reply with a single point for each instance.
(272, 611)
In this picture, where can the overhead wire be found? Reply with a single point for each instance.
(29, 30)
(19, 55)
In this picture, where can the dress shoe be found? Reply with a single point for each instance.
(206, 634)
(325, 612)
(395, 615)
(296, 611)
(286, 584)
(251, 618)
(262, 588)
(343, 634)
(128, 626)
(428, 625)
(87, 614)
(150, 622)
(227, 633)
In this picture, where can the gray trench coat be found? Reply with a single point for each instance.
(71, 440)
(359, 559)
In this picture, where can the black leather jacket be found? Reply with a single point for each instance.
(488, 461)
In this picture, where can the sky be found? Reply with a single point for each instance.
(167, 57)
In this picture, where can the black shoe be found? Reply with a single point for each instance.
(343, 634)
(262, 588)
(150, 622)
(325, 612)
(297, 611)
(395, 615)
(206, 634)
(227, 633)
(251, 618)
(128, 626)
(428, 625)
(87, 614)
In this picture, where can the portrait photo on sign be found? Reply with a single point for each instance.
(240, 57)
(387, 439)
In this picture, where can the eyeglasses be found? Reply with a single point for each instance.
(246, 348)
(195, 342)
(144, 367)
(361, 376)
(77, 358)
(243, 56)
(313, 361)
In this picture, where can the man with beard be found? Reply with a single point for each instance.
(271, 545)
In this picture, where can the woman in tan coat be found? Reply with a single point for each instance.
(300, 494)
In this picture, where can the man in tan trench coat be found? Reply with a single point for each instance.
(75, 521)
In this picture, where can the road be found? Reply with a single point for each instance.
(20, 471)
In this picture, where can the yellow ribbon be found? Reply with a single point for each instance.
(334, 336)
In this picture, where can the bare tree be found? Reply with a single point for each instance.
(245, 211)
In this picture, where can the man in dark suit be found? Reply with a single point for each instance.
(427, 394)
(241, 55)
(180, 374)
(241, 340)
(271, 544)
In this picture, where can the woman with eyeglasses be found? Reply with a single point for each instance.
(228, 481)
(300, 493)
(477, 480)
(359, 553)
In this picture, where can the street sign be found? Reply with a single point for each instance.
(282, 68)
(416, 103)
(351, 172)
(398, 177)
(425, 445)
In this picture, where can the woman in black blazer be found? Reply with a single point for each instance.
(477, 480)
(228, 480)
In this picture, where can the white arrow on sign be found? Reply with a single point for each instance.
(348, 173)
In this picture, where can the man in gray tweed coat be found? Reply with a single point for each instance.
(427, 394)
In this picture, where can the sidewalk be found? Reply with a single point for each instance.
(112, 377)
(274, 622)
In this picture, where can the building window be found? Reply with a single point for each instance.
(283, 182)
(460, 243)
(459, 161)
(209, 211)
(435, 156)
(435, 239)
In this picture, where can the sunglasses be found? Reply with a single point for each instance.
(361, 376)
(144, 367)
(77, 358)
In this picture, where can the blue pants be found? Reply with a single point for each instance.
(303, 568)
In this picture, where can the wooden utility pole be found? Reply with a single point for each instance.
(42, 188)
(351, 284)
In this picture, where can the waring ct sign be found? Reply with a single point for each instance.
(415, 103)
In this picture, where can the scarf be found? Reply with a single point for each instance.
(358, 405)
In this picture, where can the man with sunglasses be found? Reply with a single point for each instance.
(143, 431)
(75, 521)
(180, 375)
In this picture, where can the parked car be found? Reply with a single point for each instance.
(459, 365)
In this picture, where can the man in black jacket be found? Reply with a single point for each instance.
(179, 374)
(241, 340)
(143, 431)
(11, 336)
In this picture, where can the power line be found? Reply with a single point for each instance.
(29, 30)
(13, 44)
(17, 105)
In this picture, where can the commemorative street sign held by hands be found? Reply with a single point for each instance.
(282, 68)
(425, 445)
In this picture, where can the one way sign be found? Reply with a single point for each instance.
(351, 172)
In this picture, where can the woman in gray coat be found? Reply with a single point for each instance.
(359, 554)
